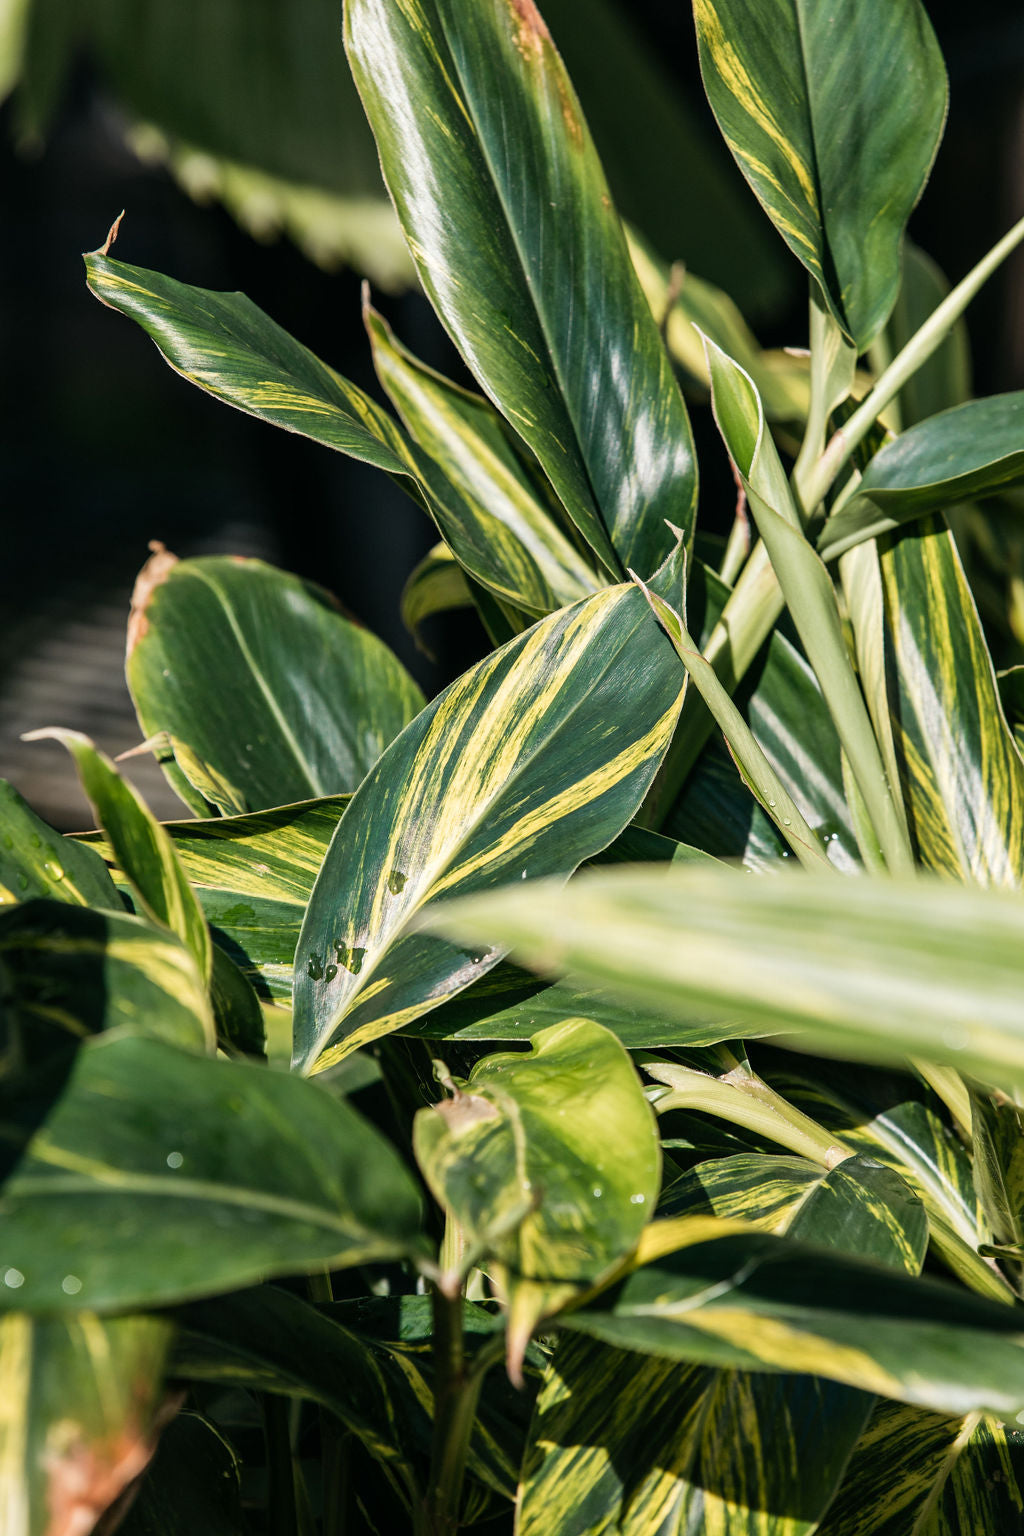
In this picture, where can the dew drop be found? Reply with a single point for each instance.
(330, 973)
(55, 871)
(71, 1285)
(396, 881)
(354, 963)
(174, 1159)
(523, 875)
(771, 805)
(167, 672)
(638, 1199)
(14, 1278)
(786, 822)
(315, 968)
(597, 1191)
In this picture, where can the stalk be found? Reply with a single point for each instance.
(457, 1393)
(743, 1099)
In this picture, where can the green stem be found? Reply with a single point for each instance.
(903, 366)
(743, 1099)
(282, 1509)
(454, 1411)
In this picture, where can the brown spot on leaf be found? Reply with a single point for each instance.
(465, 1111)
(84, 1479)
(155, 571)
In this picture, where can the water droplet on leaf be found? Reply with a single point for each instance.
(71, 1285)
(396, 881)
(174, 1159)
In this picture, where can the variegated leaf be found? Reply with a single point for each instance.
(36, 861)
(527, 764)
(963, 775)
(529, 272)
(833, 110)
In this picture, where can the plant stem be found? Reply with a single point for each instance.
(282, 1509)
(743, 1099)
(454, 1410)
(903, 366)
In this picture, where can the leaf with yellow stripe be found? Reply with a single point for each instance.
(730, 955)
(141, 846)
(79, 1408)
(641, 1447)
(227, 346)
(524, 258)
(515, 535)
(253, 876)
(528, 764)
(920, 1474)
(963, 775)
(436, 585)
(177, 1194)
(36, 861)
(520, 1157)
(833, 110)
(280, 695)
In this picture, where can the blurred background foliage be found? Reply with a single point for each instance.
(231, 133)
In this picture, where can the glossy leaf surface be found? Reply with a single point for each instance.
(971, 450)
(253, 876)
(141, 846)
(507, 537)
(36, 861)
(259, 673)
(548, 314)
(756, 1301)
(633, 1445)
(436, 585)
(520, 1155)
(531, 762)
(177, 1196)
(834, 112)
(963, 776)
(724, 950)
(78, 1400)
(918, 1474)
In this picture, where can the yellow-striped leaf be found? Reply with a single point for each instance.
(253, 876)
(514, 536)
(963, 775)
(917, 1474)
(79, 1400)
(524, 257)
(833, 110)
(641, 1447)
(716, 948)
(279, 695)
(140, 845)
(177, 1195)
(436, 585)
(520, 1156)
(228, 347)
(527, 764)
(36, 861)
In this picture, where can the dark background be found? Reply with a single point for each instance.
(104, 448)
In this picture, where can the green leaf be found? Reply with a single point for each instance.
(79, 1397)
(192, 1484)
(528, 268)
(259, 673)
(645, 1446)
(916, 1474)
(141, 846)
(236, 1009)
(532, 1183)
(998, 1145)
(526, 764)
(36, 861)
(732, 955)
(964, 452)
(506, 532)
(436, 585)
(834, 112)
(757, 1301)
(177, 1195)
(963, 776)
(808, 591)
(253, 876)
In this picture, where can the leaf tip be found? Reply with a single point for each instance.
(155, 571)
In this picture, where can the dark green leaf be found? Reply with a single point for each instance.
(259, 674)
(211, 1174)
(436, 585)
(945, 379)
(548, 313)
(191, 1485)
(833, 110)
(527, 763)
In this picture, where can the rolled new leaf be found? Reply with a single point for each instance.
(833, 110)
(528, 764)
(524, 258)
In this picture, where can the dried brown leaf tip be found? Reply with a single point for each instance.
(155, 571)
(531, 28)
(84, 1478)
